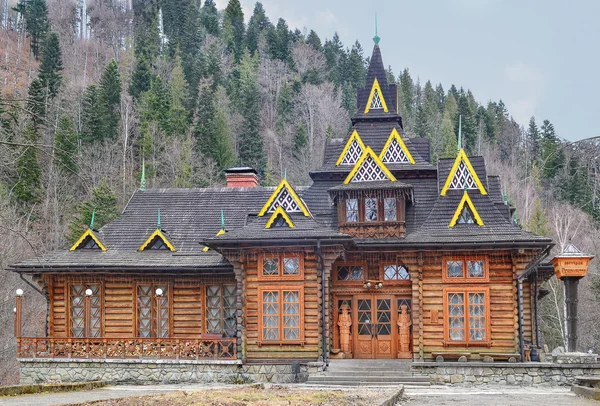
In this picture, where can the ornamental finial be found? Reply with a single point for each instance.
(92, 220)
(143, 179)
(376, 38)
(158, 226)
(459, 146)
(222, 220)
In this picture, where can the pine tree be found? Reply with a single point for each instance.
(92, 124)
(141, 78)
(314, 41)
(221, 143)
(36, 102)
(407, 99)
(533, 139)
(110, 100)
(469, 124)
(65, 145)
(103, 203)
(448, 136)
(279, 41)
(440, 97)
(184, 172)
(233, 29)
(538, 221)
(552, 154)
(209, 18)
(178, 89)
(258, 24)
(251, 151)
(28, 185)
(204, 118)
(35, 13)
(145, 29)
(300, 141)
(51, 65)
(190, 43)
(355, 67)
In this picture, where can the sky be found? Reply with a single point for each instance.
(541, 57)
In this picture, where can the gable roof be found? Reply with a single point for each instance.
(352, 150)
(157, 234)
(279, 212)
(468, 175)
(394, 149)
(376, 97)
(284, 195)
(369, 161)
(465, 203)
(89, 233)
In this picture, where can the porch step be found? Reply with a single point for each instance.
(368, 373)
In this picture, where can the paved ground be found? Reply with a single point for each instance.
(499, 396)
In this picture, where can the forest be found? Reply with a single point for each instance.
(95, 92)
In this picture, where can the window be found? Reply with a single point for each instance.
(280, 222)
(467, 313)
(371, 209)
(90, 244)
(152, 313)
(350, 273)
(389, 206)
(86, 314)
(465, 269)
(157, 244)
(466, 217)
(462, 178)
(280, 314)
(395, 273)
(220, 309)
(352, 210)
(281, 266)
(376, 102)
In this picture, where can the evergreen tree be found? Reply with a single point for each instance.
(178, 89)
(469, 124)
(233, 29)
(221, 143)
(440, 97)
(407, 99)
(110, 100)
(141, 78)
(300, 141)
(421, 125)
(204, 118)
(538, 221)
(314, 41)
(552, 154)
(28, 185)
(335, 57)
(355, 67)
(145, 29)
(251, 150)
(36, 102)
(184, 172)
(35, 13)
(92, 115)
(65, 145)
(51, 65)
(190, 45)
(533, 140)
(454, 92)
(448, 136)
(279, 41)
(103, 203)
(258, 24)
(209, 18)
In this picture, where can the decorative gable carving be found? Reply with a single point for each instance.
(466, 213)
(352, 150)
(369, 168)
(88, 240)
(157, 241)
(462, 176)
(284, 196)
(395, 150)
(279, 218)
(376, 100)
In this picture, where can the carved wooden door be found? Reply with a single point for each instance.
(375, 333)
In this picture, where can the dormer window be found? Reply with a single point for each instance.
(389, 207)
(352, 211)
(371, 209)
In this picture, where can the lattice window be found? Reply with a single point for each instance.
(95, 311)
(291, 315)
(376, 101)
(371, 209)
(352, 210)
(77, 304)
(286, 201)
(459, 269)
(350, 273)
(353, 154)
(280, 222)
(157, 243)
(395, 273)
(369, 171)
(270, 315)
(280, 314)
(462, 178)
(220, 309)
(365, 321)
(152, 321)
(281, 266)
(467, 319)
(466, 216)
(389, 208)
(384, 317)
(89, 244)
(395, 153)
(85, 322)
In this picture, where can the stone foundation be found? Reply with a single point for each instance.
(504, 373)
(160, 371)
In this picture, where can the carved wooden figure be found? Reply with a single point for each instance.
(344, 322)
(404, 323)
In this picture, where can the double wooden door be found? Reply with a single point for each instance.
(376, 332)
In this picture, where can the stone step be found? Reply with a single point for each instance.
(370, 376)
(366, 383)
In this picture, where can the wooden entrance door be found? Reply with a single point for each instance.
(375, 333)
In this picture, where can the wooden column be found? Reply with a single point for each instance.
(571, 303)
(87, 314)
(158, 323)
(18, 313)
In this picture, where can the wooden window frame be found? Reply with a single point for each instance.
(86, 311)
(400, 212)
(281, 289)
(221, 305)
(465, 278)
(352, 282)
(154, 284)
(467, 342)
(393, 281)
(280, 276)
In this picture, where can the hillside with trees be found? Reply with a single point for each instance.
(95, 92)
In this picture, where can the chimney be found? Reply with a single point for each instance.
(241, 177)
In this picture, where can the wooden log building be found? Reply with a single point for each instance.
(384, 256)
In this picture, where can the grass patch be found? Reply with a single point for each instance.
(14, 390)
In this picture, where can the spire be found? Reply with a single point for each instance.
(143, 180)
(459, 133)
(158, 227)
(376, 38)
(222, 220)
(505, 196)
(285, 174)
(92, 220)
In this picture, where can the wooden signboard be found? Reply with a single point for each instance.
(570, 267)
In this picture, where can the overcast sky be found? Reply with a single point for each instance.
(541, 57)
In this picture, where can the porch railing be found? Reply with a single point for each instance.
(128, 348)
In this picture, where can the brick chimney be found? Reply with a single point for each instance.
(241, 177)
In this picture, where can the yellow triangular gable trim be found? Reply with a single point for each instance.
(353, 137)
(462, 156)
(370, 99)
(465, 200)
(284, 184)
(369, 152)
(88, 233)
(277, 212)
(161, 236)
(395, 135)
(221, 232)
